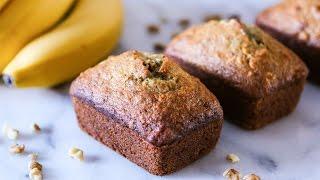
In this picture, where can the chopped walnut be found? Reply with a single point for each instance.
(153, 29)
(35, 168)
(35, 164)
(13, 134)
(10, 132)
(35, 174)
(184, 23)
(76, 153)
(35, 128)
(17, 149)
(159, 47)
(232, 174)
(232, 158)
(251, 177)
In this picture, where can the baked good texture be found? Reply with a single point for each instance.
(145, 107)
(256, 79)
(296, 23)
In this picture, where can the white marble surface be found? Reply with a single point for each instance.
(286, 150)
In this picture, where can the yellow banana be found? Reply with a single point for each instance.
(3, 3)
(82, 40)
(21, 21)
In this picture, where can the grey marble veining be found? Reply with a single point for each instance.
(285, 150)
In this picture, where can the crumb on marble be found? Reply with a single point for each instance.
(251, 177)
(35, 168)
(159, 47)
(17, 149)
(10, 132)
(35, 174)
(233, 158)
(76, 153)
(153, 29)
(35, 164)
(184, 23)
(232, 174)
(35, 128)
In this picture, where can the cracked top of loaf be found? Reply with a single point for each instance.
(149, 94)
(242, 56)
(296, 18)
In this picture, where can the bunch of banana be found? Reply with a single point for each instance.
(47, 42)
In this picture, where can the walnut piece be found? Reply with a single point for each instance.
(251, 177)
(35, 128)
(153, 29)
(184, 23)
(76, 153)
(17, 149)
(35, 164)
(35, 174)
(233, 158)
(35, 168)
(232, 174)
(11, 133)
(159, 47)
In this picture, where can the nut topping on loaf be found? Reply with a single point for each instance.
(156, 81)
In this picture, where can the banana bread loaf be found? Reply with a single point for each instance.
(256, 79)
(148, 109)
(296, 23)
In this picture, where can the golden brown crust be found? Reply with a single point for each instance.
(296, 23)
(244, 57)
(149, 94)
(297, 18)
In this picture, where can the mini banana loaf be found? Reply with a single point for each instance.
(256, 79)
(145, 107)
(296, 23)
